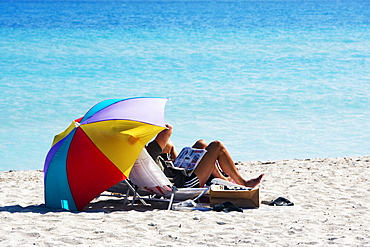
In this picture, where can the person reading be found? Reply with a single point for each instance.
(207, 167)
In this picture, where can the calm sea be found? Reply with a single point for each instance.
(271, 79)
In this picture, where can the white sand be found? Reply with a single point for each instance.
(332, 198)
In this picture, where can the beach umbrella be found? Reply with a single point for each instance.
(98, 150)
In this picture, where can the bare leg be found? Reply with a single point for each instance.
(201, 144)
(217, 151)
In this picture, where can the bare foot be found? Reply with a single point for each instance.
(254, 182)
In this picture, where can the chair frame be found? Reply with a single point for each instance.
(143, 200)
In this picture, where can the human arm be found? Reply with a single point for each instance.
(164, 136)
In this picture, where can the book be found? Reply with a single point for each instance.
(189, 158)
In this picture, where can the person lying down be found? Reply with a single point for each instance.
(206, 170)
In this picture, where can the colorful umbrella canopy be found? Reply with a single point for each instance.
(98, 150)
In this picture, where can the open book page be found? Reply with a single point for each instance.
(189, 158)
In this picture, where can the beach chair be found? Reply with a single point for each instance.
(148, 183)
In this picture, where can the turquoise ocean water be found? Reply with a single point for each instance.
(271, 79)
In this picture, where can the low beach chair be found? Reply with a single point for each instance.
(147, 179)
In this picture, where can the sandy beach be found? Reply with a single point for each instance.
(330, 196)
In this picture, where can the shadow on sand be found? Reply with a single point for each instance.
(96, 206)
